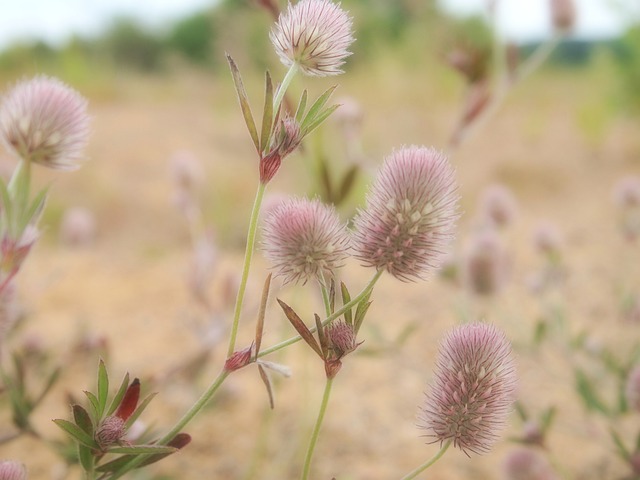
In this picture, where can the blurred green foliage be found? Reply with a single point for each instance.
(193, 37)
(629, 67)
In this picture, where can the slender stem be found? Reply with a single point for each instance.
(539, 56)
(325, 295)
(286, 81)
(428, 463)
(333, 316)
(186, 418)
(248, 254)
(316, 429)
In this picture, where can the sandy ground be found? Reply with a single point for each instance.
(130, 285)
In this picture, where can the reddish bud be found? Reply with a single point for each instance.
(238, 359)
(129, 401)
(111, 431)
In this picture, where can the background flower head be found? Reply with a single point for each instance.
(303, 238)
(315, 35)
(473, 388)
(410, 216)
(42, 120)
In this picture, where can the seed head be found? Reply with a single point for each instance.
(303, 238)
(314, 34)
(110, 431)
(473, 388)
(485, 263)
(410, 215)
(633, 389)
(12, 470)
(527, 464)
(44, 121)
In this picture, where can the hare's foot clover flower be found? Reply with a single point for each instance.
(303, 239)
(315, 35)
(44, 121)
(410, 216)
(12, 470)
(473, 389)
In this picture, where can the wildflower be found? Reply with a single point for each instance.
(286, 139)
(527, 464)
(114, 427)
(485, 263)
(44, 121)
(410, 215)
(341, 338)
(12, 470)
(633, 389)
(498, 205)
(473, 388)
(563, 14)
(315, 35)
(304, 238)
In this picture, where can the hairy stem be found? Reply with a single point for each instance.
(428, 463)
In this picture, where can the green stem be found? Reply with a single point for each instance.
(354, 301)
(325, 295)
(316, 429)
(186, 418)
(248, 254)
(428, 463)
(286, 81)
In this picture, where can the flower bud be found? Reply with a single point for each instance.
(111, 431)
(341, 337)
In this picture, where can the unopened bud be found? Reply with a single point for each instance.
(341, 338)
(110, 431)
(238, 359)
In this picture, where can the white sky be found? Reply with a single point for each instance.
(56, 20)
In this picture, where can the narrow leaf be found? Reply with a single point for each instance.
(103, 387)
(119, 395)
(7, 206)
(178, 442)
(53, 378)
(325, 178)
(301, 106)
(316, 122)
(332, 296)
(323, 338)
(267, 115)
(622, 449)
(316, 108)
(347, 183)
(76, 432)
(134, 416)
(142, 449)
(261, 315)
(300, 327)
(267, 383)
(86, 457)
(346, 298)
(244, 102)
(588, 393)
(129, 401)
(361, 311)
(32, 215)
(547, 418)
(82, 419)
(93, 406)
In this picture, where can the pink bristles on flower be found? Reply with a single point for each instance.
(44, 121)
(473, 388)
(304, 238)
(11, 470)
(315, 35)
(408, 223)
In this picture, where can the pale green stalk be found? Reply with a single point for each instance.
(286, 81)
(354, 301)
(316, 429)
(428, 463)
(248, 254)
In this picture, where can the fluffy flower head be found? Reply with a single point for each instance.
(315, 35)
(303, 238)
(410, 215)
(44, 121)
(473, 388)
(11, 470)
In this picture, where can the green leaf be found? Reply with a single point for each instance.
(103, 387)
(315, 123)
(547, 418)
(138, 411)
(77, 433)
(622, 449)
(94, 407)
(301, 106)
(332, 296)
(323, 338)
(82, 419)
(244, 102)
(142, 449)
(85, 455)
(361, 311)
(521, 411)
(115, 403)
(267, 114)
(316, 108)
(300, 327)
(347, 183)
(178, 442)
(325, 178)
(33, 213)
(588, 393)
(346, 298)
(7, 205)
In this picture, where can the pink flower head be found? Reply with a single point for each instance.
(499, 205)
(633, 389)
(485, 266)
(527, 464)
(303, 238)
(11, 470)
(410, 216)
(473, 388)
(44, 121)
(315, 35)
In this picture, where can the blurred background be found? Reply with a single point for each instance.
(145, 274)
